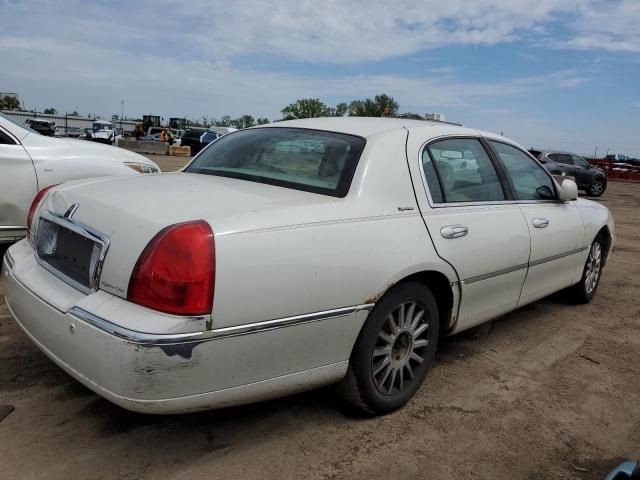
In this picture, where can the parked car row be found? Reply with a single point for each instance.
(71, 132)
(589, 178)
(30, 162)
(198, 138)
(294, 255)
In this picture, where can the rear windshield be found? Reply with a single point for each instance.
(193, 133)
(302, 159)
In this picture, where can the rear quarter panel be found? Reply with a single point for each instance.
(348, 254)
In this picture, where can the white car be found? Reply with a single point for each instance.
(295, 255)
(29, 162)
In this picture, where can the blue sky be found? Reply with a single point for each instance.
(547, 73)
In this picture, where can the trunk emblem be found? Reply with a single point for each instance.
(72, 209)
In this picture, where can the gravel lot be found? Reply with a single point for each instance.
(549, 391)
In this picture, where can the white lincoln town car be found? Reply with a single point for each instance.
(296, 255)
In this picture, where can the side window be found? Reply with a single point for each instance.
(459, 170)
(432, 178)
(530, 180)
(565, 158)
(579, 161)
(6, 139)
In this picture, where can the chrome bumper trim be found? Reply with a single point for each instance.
(215, 334)
(11, 227)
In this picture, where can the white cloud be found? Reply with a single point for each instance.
(334, 31)
(216, 57)
(607, 25)
(100, 77)
(330, 31)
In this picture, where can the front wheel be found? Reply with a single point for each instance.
(597, 187)
(585, 290)
(394, 350)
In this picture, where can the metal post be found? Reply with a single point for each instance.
(121, 115)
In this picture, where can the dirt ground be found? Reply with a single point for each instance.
(550, 391)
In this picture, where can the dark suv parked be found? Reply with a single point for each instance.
(589, 178)
(197, 138)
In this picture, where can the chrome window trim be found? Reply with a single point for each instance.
(83, 230)
(151, 339)
(549, 202)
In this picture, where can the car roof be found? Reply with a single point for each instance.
(554, 151)
(369, 126)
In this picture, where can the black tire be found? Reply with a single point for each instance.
(585, 290)
(597, 187)
(411, 341)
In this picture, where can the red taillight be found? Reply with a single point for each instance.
(34, 206)
(176, 271)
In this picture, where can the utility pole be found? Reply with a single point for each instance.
(121, 115)
(595, 154)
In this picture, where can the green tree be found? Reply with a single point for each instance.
(381, 106)
(50, 111)
(340, 110)
(76, 114)
(305, 108)
(244, 121)
(411, 116)
(262, 121)
(247, 121)
(225, 121)
(9, 103)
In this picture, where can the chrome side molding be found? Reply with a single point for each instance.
(152, 339)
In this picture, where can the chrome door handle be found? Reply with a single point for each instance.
(454, 231)
(540, 222)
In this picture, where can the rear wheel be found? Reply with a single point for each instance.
(394, 350)
(585, 290)
(597, 187)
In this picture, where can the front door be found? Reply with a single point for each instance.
(558, 249)
(474, 224)
(18, 186)
(582, 171)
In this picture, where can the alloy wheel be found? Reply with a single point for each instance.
(400, 348)
(597, 187)
(593, 267)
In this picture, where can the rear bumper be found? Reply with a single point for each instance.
(182, 372)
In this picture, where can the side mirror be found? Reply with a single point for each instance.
(568, 190)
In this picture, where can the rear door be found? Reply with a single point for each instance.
(582, 171)
(474, 223)
(18, 186)
(557, 230)
(565, 163)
